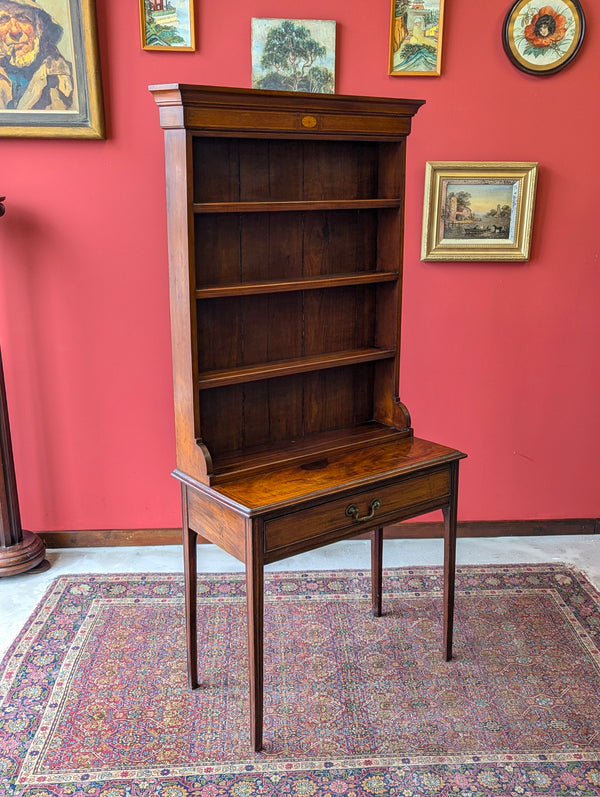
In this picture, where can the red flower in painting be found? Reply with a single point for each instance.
(546, 27)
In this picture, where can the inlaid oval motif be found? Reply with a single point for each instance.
(309, 121)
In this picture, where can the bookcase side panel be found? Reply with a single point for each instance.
(192, 457)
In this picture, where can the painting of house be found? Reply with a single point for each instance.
(415, 39)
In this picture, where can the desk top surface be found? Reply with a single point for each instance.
(334, 472)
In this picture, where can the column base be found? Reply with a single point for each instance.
(24, 556)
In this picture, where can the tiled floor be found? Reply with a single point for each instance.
(20, 594)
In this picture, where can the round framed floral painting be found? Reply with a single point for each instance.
(543, 39)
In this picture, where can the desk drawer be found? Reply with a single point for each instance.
(361, 511)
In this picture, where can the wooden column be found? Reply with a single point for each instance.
(20, 551)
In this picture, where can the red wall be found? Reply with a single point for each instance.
(500, 360)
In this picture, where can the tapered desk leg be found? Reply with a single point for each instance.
(376, 570)
(450, 516)
(255, 604)
(190, 566)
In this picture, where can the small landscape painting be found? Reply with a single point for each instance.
(478, 211)
(416, 37)
(167, 24)
(293, 55)
(478, 208)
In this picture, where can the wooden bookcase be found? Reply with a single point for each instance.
(285, 222)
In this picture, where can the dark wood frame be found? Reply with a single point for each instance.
(512, 51)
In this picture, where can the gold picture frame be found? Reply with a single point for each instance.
(416, 30)
(167, 25)
(61, 96)
(478, 211)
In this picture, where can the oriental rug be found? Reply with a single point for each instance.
(94, 699)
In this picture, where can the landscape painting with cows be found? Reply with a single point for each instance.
(478, 209)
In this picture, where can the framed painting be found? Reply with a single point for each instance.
(294, 55)
(416, 37)
(478, 211)
(49, 70)
(542, 40)
(167, 25)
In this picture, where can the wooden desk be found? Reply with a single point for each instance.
(264, 518)
(285, 218)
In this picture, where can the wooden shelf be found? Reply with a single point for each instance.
(301, 284)
(299, 205)
(253, 373)
(285, 252)
(310, 449)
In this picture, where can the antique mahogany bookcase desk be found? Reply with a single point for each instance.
(285, 225)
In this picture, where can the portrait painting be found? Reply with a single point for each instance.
(167, 25)
(294, 55)
(49, 71)
(543, 39)
(478, 211)
(416, 37)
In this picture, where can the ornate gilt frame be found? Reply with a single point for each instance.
(87, 119)
(454, 232)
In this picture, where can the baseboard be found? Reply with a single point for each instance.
(408, 530)
(497, 528)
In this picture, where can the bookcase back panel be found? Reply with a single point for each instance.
(250, 247)
(257, 170)
(249, 330)
(337, 398)
(268, 171)
(391, 169)
(352, 174)
(331, 319)
(338, 242)
(280, 411)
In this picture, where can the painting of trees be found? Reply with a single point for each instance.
(293, 55)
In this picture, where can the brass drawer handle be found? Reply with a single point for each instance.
(352, 510)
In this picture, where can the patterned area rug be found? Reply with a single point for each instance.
(94, 700)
